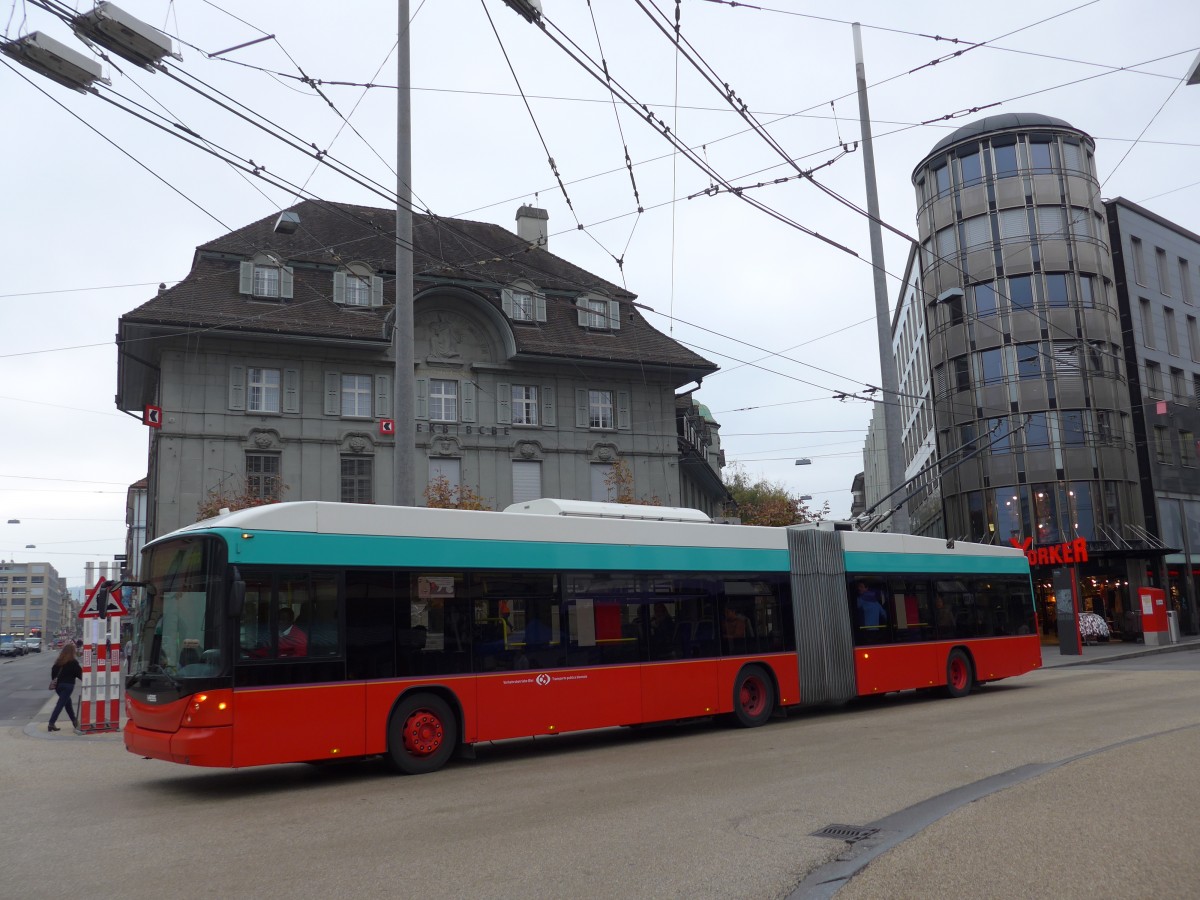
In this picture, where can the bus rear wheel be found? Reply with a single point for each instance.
(422, 734)
(960, 675)
(753, 697)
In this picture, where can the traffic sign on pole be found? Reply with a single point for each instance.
(115, 606)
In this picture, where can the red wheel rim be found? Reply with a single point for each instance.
(958, 674)
(423, 733)
(753, 696)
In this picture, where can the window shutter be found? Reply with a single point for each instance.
(581, 409)
(539, 307)
(333, 394)
(237, 387)
(623, 410)
(614, 315)
(503, 404)
(581, 312)
(285, 282)
(339, 287)
(422, 398)
(291, 390)
(246, 278)
(376, 290)
(383, 397)
(468, 401)
(527, 480)
(1050, 222)
(548, 418)
(978, 231)
(506, 302)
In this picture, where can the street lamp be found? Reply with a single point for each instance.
(804, 462)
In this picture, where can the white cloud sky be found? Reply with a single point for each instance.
(89, 231)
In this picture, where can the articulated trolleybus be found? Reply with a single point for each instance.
(314, 631)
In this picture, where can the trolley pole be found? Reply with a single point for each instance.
(890, 382)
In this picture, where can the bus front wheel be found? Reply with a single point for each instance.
(422, 734)
(753, 697)
(959, 674)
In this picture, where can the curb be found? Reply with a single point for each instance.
(1133, 654)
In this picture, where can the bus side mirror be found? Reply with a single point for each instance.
(237, 597)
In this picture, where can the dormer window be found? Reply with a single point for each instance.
(599, 314)
(266, 276)
(523, 303)
(357, 285)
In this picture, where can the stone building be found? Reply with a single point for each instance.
(271, 364)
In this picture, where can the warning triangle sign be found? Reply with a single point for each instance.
(116, 606)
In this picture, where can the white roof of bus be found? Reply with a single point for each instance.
(561, 521)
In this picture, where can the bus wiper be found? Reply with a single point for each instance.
(155, 671)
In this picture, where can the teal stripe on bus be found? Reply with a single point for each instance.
(866, 561)
(341, 550)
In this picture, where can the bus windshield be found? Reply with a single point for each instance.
(178, 632)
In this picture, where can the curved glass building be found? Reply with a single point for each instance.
(1025, 348)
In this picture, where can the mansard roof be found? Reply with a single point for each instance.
(476, 256)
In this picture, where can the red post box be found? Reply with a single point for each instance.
(1153, 603)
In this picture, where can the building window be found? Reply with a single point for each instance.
(1037, 435)
(262, 476)
(522, 306)
(984, 299)
(1178, 387)
(970, 168)
(262, 390)
(358, 290)
(1147, 323)
(524, 404)
(1006, 160)
(1081, 223)
(1040, 158)
(1154, 387)
(941, 179)
(1139, 261)
(1056, 290)
(991, 366)
(1072, 157)
(1029, 361)
(1193, 338)
(527, 480)
(1087, 290)
(1014, 226)
(356, 396)
(443, 400)
(1072, 421)
(600, 409)
(1164, 277)
(448, 469)
(594, 313)
(357, 481)
(1172, 334)
(1185, 281)
(1020, 292)
(1162, 447)
(1187, 449)
(266, 281)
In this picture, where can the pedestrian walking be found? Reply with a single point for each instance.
(65, 672)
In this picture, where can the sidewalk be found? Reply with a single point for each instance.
(36, 728)
(1111, 651)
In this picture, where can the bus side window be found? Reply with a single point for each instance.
(255, 627)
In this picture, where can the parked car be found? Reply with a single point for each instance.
(33, 645)
(22, 647)
(8, 648)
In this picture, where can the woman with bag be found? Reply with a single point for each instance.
(63, 675)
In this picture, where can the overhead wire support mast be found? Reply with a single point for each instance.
(887, 362)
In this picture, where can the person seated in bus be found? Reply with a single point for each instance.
(292, 640)
(872, 617)
(943, 617)
(662, 633)
(736, 629)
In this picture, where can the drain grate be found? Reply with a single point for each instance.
(848, 833)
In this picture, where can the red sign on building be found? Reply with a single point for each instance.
(1067, 553)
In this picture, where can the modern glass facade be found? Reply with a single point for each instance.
(1025, 347)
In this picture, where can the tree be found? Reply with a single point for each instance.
(217, 499)
(763, 502)
(440, 495)
(620, 485)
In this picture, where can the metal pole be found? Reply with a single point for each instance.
(887, 363)
(403, 476)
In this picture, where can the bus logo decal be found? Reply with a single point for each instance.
(543, 679)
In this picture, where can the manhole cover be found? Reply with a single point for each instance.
(849, 833)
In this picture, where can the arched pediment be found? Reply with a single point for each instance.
(455, 325)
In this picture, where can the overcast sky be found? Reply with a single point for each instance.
(100, 206)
